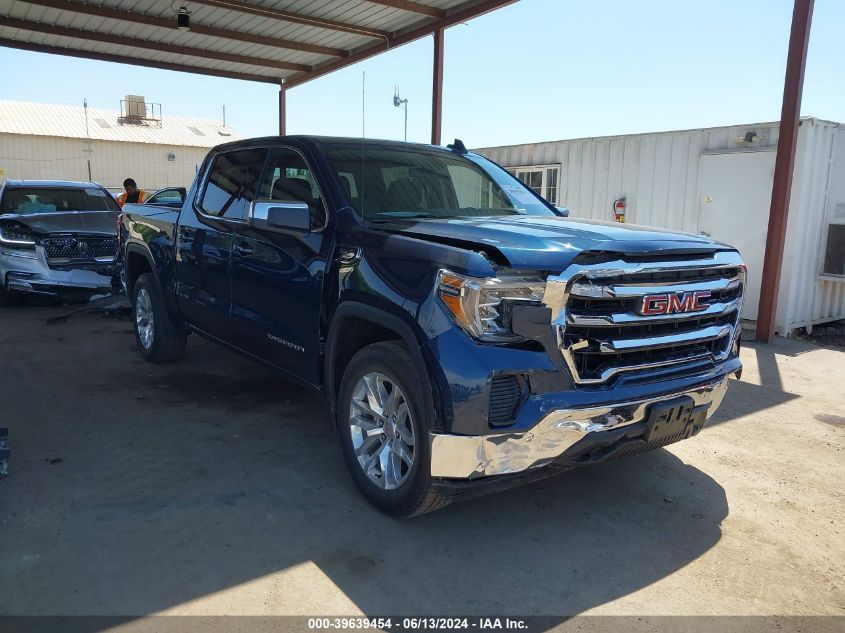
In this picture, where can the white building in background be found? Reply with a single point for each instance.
(58, 142)
(716, 181)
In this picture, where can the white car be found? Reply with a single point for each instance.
(56, 237)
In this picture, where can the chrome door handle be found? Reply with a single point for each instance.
(244, 250)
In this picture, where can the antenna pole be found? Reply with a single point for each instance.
(398, 102)
(87, 136)
(363, 135)
(282, 109)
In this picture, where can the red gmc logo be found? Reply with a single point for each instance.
(675, 302)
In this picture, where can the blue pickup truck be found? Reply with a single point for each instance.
(466, 336)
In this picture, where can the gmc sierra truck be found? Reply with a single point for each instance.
(465, 335)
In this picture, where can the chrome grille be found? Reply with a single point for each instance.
(602, 332)
(69, 248)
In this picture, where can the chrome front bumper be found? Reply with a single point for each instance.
(29, 272)
(471, 456)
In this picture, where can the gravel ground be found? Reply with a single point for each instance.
(828, 334)
(214, 487)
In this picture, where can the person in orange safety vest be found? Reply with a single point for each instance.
(131, 193)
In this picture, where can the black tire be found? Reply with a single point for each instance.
(166, 344)
(416, 495)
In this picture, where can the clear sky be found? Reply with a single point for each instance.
(533, 71)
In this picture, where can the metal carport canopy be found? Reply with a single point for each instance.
(282, 42)
(290, 42)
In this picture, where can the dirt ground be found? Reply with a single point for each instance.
(214, 487)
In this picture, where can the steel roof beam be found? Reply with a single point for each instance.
(297, 18)
(132, 61)
(170, 24)
(120, 40)
(413, 7)
(466, 11)
(452, 17)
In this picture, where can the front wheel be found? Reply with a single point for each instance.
(383, 414)
(157, 339)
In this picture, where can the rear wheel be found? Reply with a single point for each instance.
(383, 419)
(157, 338)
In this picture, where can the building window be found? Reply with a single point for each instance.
(543, 179)
(834, 253)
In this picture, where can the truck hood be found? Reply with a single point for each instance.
(548, 243)
(90, 222)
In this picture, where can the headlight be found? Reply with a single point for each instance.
(482, 306)
(16, 237)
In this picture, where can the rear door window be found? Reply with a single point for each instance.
(288, 177)
(232, 183)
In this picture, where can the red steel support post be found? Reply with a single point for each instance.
(802, 15)
(437, 88)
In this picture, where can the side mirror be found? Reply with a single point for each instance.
(280, 216)
(562, 211)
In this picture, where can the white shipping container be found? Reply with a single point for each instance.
(716, 181)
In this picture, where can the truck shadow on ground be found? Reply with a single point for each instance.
(746, 397)
(165, 496)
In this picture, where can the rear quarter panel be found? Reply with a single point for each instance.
(149, 231)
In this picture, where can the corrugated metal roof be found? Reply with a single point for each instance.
(259, 40)
(43, 119)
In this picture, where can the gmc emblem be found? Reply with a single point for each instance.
(675, 302)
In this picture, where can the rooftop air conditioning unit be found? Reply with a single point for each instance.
(136, 108)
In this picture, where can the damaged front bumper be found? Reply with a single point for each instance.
(568, 437)
(29, 272)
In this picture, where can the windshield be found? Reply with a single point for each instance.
(26, 200)
(394, 183)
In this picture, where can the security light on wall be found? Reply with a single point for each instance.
(183, 20)
(749, 138)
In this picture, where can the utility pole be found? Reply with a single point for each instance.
(401, 103)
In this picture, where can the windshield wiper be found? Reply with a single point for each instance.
(490, 211)
(387, 216)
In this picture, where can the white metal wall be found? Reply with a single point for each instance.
(54, 158)
(806, 297)
(658, 174)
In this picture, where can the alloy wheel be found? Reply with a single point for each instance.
(144, 320)
(382, 430)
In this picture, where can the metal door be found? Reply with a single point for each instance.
(735, 191)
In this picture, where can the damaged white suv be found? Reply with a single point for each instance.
(56, 238)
